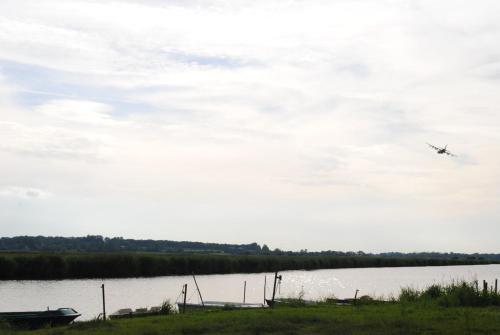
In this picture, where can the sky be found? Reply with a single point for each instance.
(299, 124)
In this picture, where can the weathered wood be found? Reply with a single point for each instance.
(198, 289)
(184, 290)
(265, 285)
(276, 277)
(103, 303)
(244, 291)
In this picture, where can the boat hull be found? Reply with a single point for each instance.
(37, 319)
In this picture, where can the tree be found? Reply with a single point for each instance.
(265, 249)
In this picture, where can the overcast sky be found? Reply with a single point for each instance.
(300, 124)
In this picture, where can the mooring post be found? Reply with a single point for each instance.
(184, 290)
(276, 277)
(244, 291)
(265, 284)
(198, 289)
(274, 288)
(103, 303)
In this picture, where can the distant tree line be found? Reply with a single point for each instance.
(97, 243)
(122, 265)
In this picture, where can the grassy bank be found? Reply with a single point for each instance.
(122, 265)
(414, 318)
(459, 308)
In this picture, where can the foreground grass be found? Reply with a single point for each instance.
(389, 318)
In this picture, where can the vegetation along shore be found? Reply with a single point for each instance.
(459, 308)
(15, 266)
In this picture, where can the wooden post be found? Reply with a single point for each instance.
(265, 284)
(356, 296)
(276, 277)
(274, 288)
(496, 285)
(103, 303)
(477, 285)
(184, 290)
(244, 291)
(485, 287)
(198, 289)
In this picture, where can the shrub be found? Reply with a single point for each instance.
(167, 307)
(409, 294)
(456, 294)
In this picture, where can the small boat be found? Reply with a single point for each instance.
(219, 305)
(129, 313)
(289, 302)
(37, 319)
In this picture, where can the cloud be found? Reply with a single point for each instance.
(50, 142)
(88, 112)
(205, 60)
(25, 193)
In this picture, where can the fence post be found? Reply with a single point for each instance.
(244, 291)
(276, 277)
(496, 285)
(103, 303)
(185, 288)
(265, 284)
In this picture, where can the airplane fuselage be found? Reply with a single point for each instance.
(441, 151)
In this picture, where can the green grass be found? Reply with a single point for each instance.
(458, 308)
(397, 318)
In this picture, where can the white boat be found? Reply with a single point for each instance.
(129, 313)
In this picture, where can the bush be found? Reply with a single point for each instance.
(456, 294)
(409, 294)
(167, 307)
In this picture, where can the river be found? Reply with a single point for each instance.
(85, 295)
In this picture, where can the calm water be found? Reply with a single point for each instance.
(85, 295)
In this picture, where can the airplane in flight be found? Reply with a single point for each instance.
(441, 151)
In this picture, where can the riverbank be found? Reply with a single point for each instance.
(48, 266)
(457, 308)
(394, 318)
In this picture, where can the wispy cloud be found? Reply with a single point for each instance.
(50, 142)
(23, 193)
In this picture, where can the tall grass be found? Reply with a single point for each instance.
(459, 293)
(122, 265)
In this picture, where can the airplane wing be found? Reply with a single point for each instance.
(433, 147)
(450, 154)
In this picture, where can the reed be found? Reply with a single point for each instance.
(455, 294)
(123, 265)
